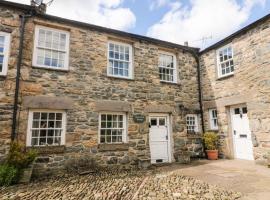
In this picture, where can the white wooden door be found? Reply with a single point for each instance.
(243, 148)
(159, 139)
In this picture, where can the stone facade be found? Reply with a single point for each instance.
(86, 84)
(249, 85)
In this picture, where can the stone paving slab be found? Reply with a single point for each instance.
(128, 185)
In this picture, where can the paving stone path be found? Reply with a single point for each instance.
(130, 185)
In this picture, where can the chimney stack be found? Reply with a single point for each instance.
(39, 6)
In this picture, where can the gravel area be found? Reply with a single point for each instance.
(119, 185)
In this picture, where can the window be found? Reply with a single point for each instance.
(46, 128)
(167, 68)
(51, 48)
(213, 119)
(112, 128)
(120, 60)
(4, 52)
(225, 61)
(192, 123)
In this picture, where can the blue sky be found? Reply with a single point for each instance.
(171, 20)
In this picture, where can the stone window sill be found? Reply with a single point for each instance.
(51, 69)
(225, 77)
(213, 130)
(194, 136)
(113, 147)
(120, 78)
(169, 83)
(43, 150)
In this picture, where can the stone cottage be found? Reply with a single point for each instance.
(236, 92)
(122, 99)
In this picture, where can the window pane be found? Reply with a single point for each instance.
(46, 128)
(166, 68)
(118, 60)
(35, 133)
(111, 127)
(161, 121)
(58, 116)
(153, 122)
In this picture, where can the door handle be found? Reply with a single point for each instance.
(234, 132)
(166, 137)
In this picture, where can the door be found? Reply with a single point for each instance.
(159, 139)
(243, 148)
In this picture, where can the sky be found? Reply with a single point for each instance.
(199, 22)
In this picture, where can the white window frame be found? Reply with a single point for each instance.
(212, 118)
(125, 126)
(196, 130)
(175, 69)
(5, 53)
(219, 69)
(30, 121)
(130, 66)
(66, 60)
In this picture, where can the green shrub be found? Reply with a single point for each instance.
(210, 140)
(8, 175)
(19, 157)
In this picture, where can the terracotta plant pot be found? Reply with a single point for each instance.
(212, 154)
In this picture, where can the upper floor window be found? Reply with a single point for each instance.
(46, 128)
(225, 61)
(167, 68)
(4, 52)
(213, 119)
(51, 48)
(120, 60)
(112, 128)
(192, 123)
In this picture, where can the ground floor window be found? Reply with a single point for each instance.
(112, 128)
(46, 128)
(192, 123)
(213, 119)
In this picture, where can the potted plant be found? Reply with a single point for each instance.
(211, 143)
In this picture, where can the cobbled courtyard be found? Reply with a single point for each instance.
(151, 184)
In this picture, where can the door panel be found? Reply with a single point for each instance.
(158, 137)
(243, 147)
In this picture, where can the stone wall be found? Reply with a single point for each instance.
(249, 85)
(87, 83)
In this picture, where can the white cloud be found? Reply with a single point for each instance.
(158, 3)
(108, 13)
(203, 18)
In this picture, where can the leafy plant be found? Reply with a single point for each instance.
(19, 157)
(210, 140)
(8, 175)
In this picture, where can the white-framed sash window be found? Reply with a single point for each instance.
(112, 128)
(213, 119)
(192, 124)
(167, 67)
(225, 63)
(4, 52)
(120, 60)
(46, 128)
(51, 48)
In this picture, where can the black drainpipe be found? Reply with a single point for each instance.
(23, 19)
(197, 58)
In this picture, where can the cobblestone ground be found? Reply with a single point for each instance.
(119, 185)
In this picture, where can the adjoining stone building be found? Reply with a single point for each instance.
(120, 98)
(235, 82)
(125, 99)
